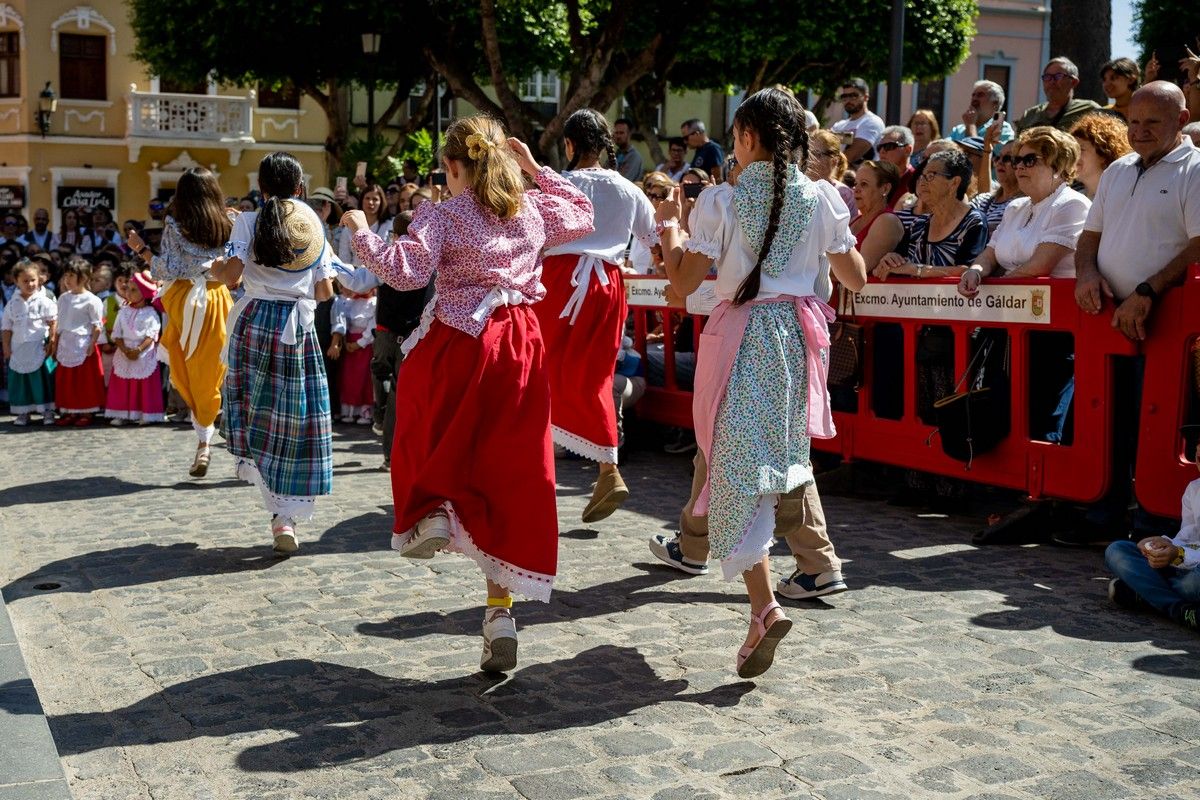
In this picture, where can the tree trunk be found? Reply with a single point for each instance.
(1081, 30)
(646, 95)
(333, 102)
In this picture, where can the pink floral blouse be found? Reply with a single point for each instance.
(475, 252)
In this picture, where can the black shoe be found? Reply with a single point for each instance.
(1188, 615)
(1086, 535)
(1122, 594)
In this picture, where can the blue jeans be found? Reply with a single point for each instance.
(1166, 589)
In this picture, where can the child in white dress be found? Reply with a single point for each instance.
(29, 325)
(135, 389)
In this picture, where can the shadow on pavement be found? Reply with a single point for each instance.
(564, 606)
(63, 489)
(150, 563)
(339, 714)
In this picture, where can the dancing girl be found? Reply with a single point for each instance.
(472, 459)
(761, 370)
(275, 397)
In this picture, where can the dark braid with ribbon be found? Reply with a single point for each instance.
(778, 120)
(589, 134)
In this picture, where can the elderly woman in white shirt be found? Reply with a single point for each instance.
(1038, 233)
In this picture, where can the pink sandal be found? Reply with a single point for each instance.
(754, 660)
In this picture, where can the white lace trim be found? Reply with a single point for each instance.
(843, 244)
(73, 348)
(145, 365)
(533, 585)
(710, 249)
(756, 543)
(300, 509)
(135, 416)
(582, 447)
(422, 329)
(41, 408)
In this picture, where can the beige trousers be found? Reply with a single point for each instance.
(799, 519)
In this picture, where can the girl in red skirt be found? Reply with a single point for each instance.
(472, 459)
(353, 336)
(79, 378)
(583, 316)
(135, 389)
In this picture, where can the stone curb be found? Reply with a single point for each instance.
(30, 768)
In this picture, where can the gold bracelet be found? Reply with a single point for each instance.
(1179, 556)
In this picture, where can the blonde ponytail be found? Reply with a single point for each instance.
(480, 144)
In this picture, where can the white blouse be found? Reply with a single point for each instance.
(355, 315)
(716, 233)
(621, 209)
(1056, 219)
(29, 320)
(133, 325)
(79, 316)
(345, 252)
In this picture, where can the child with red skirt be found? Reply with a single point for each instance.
(472, 459)
(79, 378)
(583, 316)
(353, 327)
(135, 389)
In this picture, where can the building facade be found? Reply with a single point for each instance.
(117, 136)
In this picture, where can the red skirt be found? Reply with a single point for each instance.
(354, 375)
(473, 435)
(79, 390)
(581, 358)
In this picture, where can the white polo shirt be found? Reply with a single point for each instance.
(1145, 217)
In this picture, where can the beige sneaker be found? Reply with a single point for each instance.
(499, 641)
(607, 497)
(284, 533)
(430, 535)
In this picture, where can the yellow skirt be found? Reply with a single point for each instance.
(198, 378)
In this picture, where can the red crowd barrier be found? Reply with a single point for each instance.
(1080, 471)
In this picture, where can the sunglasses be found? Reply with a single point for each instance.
(927, 174)
(392, 190)
(656, 198)
(849, 96)
(887, 147)
(1027, 160)
(1054, 76)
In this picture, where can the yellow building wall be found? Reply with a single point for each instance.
(92, 143)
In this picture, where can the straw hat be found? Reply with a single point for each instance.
(307, 235)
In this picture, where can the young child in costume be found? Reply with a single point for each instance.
(472, 459)
(29, 326)
(583, 315)
(194, 235)
(276, 400)
(353, 327)
(761, 370)
(79, 377)
(135, 389)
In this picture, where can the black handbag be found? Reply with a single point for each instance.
(846, 350)
(974, 421)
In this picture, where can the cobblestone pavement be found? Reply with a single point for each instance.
(178, 659)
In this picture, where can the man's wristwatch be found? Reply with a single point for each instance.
(1144, 289)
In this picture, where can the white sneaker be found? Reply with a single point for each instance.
(499, 641)
(116, 422)
(363, 421)
(430, 535)
(21, 420)
(48, 418)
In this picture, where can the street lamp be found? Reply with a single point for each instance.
(370, 45)
(47, 105)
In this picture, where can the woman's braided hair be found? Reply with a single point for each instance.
(777, 118)
(588, 131)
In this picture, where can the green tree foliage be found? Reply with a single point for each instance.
(1165, 27)
(314, 44)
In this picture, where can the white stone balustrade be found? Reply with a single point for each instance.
(220, 118)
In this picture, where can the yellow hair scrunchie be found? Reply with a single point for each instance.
(479, 146)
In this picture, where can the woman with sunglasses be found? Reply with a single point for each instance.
(993, 203)
(648, 260)
(1038, 234)
(827, 163)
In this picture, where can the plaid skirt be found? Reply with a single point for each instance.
(276, 417)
